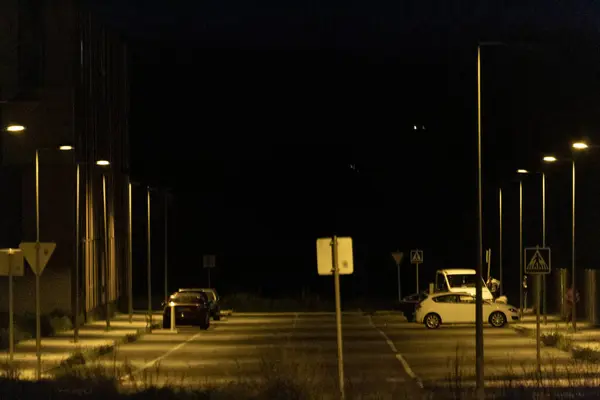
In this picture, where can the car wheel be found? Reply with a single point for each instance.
(205, 323)
(497, 319)
(432, 321)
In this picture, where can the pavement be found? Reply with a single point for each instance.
(437, 358)
(586, 337)
(92, 337)
(256, 347)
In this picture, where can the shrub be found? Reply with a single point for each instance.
(25, 326)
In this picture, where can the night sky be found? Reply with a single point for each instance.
(276, 123)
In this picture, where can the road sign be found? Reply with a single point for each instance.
(398, 256)
(416, 256)
(209, 261)
(344, 256)
(13, 259)
(29, 251)
(537, 260)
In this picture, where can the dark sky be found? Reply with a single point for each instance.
(254, 112)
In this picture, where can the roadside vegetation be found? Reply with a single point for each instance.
(24, 326)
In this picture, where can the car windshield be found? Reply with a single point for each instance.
(462, 280)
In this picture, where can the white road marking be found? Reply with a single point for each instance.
(405, 365)
(168, 353)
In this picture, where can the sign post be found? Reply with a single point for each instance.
(11, 264)
(416, 257)
(537, 263)
(208, 262)
(398, 256)
(37, 255)
(334, 257)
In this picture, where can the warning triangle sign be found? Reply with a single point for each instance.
(30, 251)
(416, 257)
(537, 263)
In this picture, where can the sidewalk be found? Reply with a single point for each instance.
(93, 340)
(586, 337)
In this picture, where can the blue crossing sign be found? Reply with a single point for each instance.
(537, 260)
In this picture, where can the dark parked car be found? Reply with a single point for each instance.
(213, 301)
(191, 308)
(408, 304)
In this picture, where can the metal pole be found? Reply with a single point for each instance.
(399, 287)
(500, 244)
(417, 270)
(574, 303)
(149, 257)
(338, 318)
(106, 274)
(11, 324)
(208, 269)
(77, 244)
(478, 288)
(544, 244)
(173, 317)
(521, 249)
(537, 323)
(130, 257)
(166, 247)
(38, 339)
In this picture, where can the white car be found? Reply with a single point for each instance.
(459, 308)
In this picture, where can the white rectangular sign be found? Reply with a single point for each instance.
(13, 259)
(344, 256)
(208, 261)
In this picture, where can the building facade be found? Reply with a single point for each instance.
(64, 76)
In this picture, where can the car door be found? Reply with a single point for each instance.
(465, 309)
(446, 308)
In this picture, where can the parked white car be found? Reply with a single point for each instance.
(459, 308)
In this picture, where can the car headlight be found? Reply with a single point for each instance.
(514, 310)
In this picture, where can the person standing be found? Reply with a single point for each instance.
(571, 300)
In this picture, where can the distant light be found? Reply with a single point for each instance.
(171, 304)
(415, 127)
(423, 127)
(102, 162)
(522, 171)
(580, 145)
(15, 128)
(549, 158)
(65, 148)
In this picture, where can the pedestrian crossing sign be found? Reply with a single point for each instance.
(537, 260)
(416, 256)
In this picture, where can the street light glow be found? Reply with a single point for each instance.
(522, 171)
(65, 148)
(549, 158)
(102, 162)
(15, 128)
(580, 145)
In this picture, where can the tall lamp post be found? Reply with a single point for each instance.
(149, 260)
(500, 240)
(577, 146)
(546, 159)
(521, 172)
(106, 274)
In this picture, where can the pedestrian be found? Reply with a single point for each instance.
(571, 300)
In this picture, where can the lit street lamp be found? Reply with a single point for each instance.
(577, 146)
(15, 128)
(521, 172)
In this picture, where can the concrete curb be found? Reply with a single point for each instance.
(89, 354)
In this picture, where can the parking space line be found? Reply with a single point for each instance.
(399, 356)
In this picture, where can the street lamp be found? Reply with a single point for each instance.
(37, 259)
(521, 172)
(577, 146)
(105, 163)
(547, 159)
(15, 128)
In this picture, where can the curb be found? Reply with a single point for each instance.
(82, 357)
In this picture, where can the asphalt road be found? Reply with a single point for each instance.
(250, 347)
(437, 357)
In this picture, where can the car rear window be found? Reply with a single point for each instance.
(189, 297)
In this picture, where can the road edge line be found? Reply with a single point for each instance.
(399, 356)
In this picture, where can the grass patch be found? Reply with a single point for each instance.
(25, 326)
